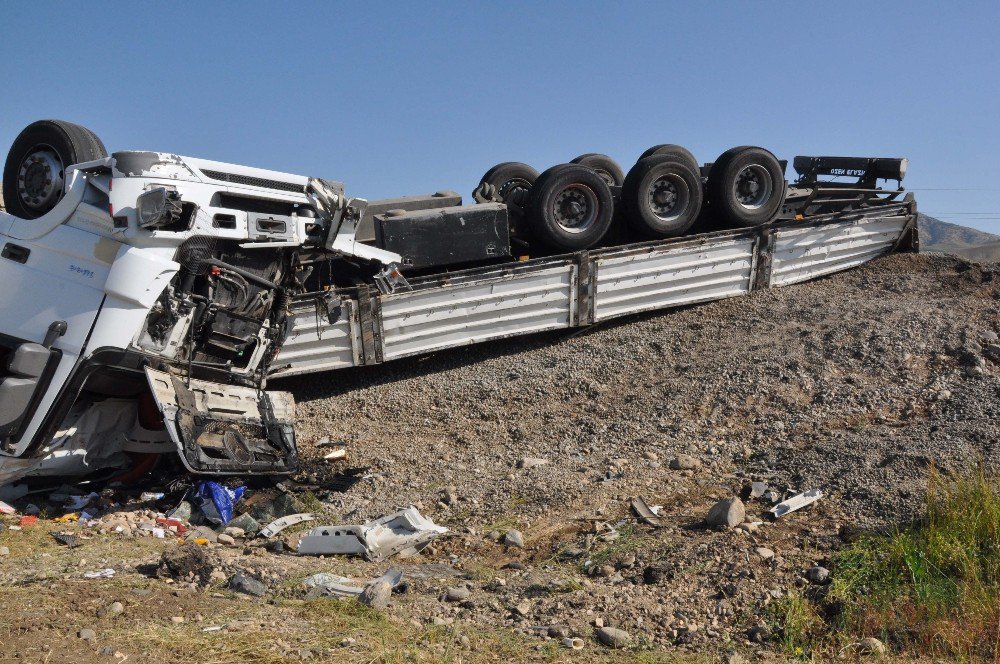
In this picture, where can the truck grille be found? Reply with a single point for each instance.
(253, 182)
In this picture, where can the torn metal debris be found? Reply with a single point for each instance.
(404, 532)
(796, 502)
(645, 513)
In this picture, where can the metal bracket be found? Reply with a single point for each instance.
(763, 259)
(586, 288)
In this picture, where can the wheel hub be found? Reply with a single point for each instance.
(753, 186)
(668, 197)
(575, 208)
(40, 179)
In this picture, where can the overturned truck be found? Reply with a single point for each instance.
(148, 297)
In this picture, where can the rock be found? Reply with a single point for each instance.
(514, 538)
(457, 594)
(112, 610)
(523, 609)
(531, 462)
(87, 634)
(650, 456)
(818, 575)
(759, 634)
(177, 620)
(603, 571)
(756, 490)
(376, 594)
(235, 532)
(226, 539)
(765, 553)
(558, 631)
(246, 523)
(4, 551)
(727, 513)
(871, 646)
(613, 637)
(684, 462)
(182, 512)
(748, 526)
(241, 583)
(733, 658)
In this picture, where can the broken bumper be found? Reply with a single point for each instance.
(227, 429)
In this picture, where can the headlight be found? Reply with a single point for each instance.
(158, 207)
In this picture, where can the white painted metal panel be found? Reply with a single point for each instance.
(668, 276)
(313, 344)
(478, 310)
(806, 253)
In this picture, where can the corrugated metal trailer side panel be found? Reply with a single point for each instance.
(461, 308)
(467, 313)
(661, 277)
(801, 254)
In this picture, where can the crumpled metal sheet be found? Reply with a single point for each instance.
(403, 532)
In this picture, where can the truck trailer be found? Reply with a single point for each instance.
(149, 297)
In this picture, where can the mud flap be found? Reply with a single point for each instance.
(226, 429)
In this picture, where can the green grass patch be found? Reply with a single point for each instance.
(934, 587)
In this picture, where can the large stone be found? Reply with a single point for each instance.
(684, 462)
(818, 575)
(514, 538)
(531, 462)
(457, 594)
(871, 646)
(376, 594)
(613, 637)
(242, 583)
(727, 513)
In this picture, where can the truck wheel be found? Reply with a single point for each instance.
(677, 151)
(512, 181)
(746, 186)
(662, 196)
(34, 174)
(605, 166)
(570, 207)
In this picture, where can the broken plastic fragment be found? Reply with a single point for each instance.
(276, 526)
(99, 574)
(796, 502)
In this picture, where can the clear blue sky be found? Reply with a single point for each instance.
(399, 97)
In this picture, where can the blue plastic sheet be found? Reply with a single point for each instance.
(216, 501)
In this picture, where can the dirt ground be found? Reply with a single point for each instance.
(856, 384)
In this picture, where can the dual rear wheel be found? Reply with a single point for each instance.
(572, 206)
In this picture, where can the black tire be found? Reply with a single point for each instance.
(605, 166)
(662, 196)
(34, 173)
(746, 186)
(512, 179)
(570, 208)
(677, 151)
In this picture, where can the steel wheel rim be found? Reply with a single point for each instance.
(668, 197)
(753, 187)
(606, 176)
(575, 208)
(40, 178)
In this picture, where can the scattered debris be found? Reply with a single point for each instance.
(335, 454)
(216, 501)
(645, 513)
(684, 462)
(573, 643)
(276, 526)
(28, 520)
(796, 502)
(6, 509)
(403, 532)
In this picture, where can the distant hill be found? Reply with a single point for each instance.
(943, 237)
